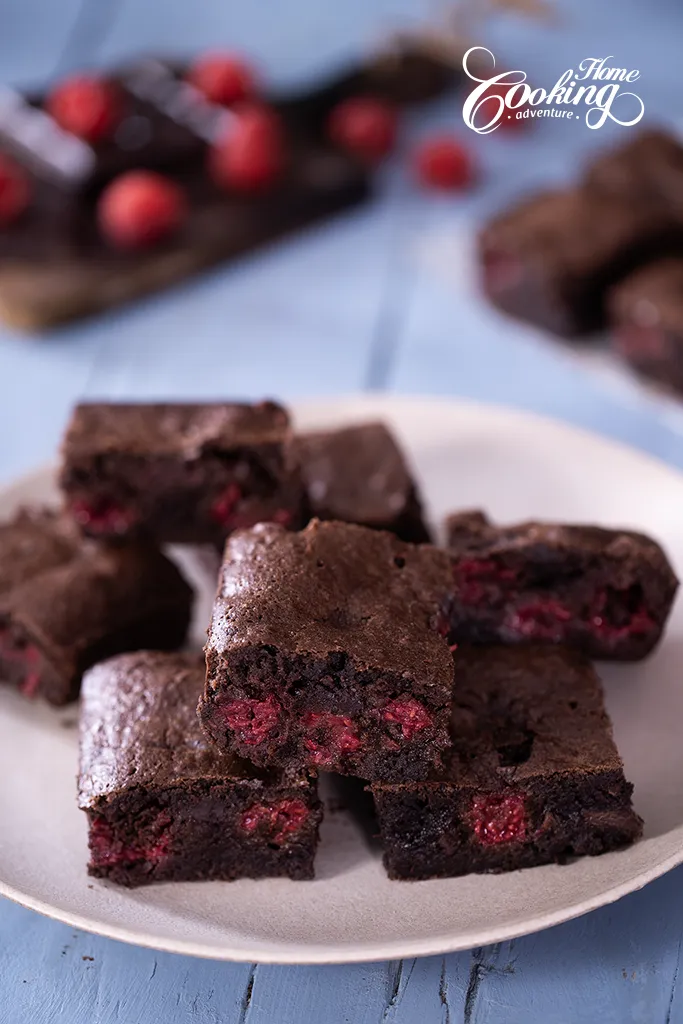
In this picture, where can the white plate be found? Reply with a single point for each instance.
(515, 465)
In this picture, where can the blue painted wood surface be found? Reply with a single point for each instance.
(348, 306)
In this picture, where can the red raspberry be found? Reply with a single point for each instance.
(443, 162)
(85, 106)
(276, 821)
(15, 191)
(499, 818)
(252, 720)
(330, 737)
(222, 78)
(409, 714)
(103, 516)
(365, 126)
(251, 156)
(140, 208)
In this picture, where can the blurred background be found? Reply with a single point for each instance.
(384, 296)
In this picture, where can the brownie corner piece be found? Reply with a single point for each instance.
(180, 472)
(324, 651)
(358, 474)
(607, 592)
(104, 600)
(533, 776)
(162, 804)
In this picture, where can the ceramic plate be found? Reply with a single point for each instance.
(516, 466)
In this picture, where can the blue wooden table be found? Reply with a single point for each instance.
(349, 306)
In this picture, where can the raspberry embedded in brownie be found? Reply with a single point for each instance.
(162, 804)
(323, 651)
(607, 592)
(533, 775)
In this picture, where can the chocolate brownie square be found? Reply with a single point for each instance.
(551, 257)
(162, 804)
(103, 601)
(184, 473)
(323, 652)
(647, 171)
(32, 542)
(645, 313)
(606, 592)
(533, 775)
(359, 475)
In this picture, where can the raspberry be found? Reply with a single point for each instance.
(224, 506)
(409, 714)
(501, 271)
(223, 78)
(106, 850)
(103, 516)
(333, 736)
(15, 191)
(444, 163)
(499, 818)
(276, 821)
(540, 620)
(140, 208)
(617, 614)
(85, 106)
(251, 156)
(481, 578)
(364, 126)
(253, 721)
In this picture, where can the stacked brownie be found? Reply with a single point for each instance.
(570, 260)
(455, 681)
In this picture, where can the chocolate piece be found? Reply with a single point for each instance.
(606, 592)
(162, 805)
(34, 541)
(646, 170)
(101, 602)
(323, 652)
(359, 475)
(533, 775)
(551, 257)
(185, 473)
(646, 320)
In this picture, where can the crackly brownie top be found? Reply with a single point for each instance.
(355, 474)
(334, 588)
(646, 169)
(652, 296)
(471, 534)
(139, 727)
(571, 229)
(33, 542)
(182, 430)
(102, 589)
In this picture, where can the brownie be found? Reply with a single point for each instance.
(551, 257)
(533, 775)
(323, 652)
(359, 475)
(647, 170)
(645, 313)
(103, 601)
(606, 592)
(185, 473)
(162, 804)
(32, 542)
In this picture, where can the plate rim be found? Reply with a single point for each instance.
(376, 950)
